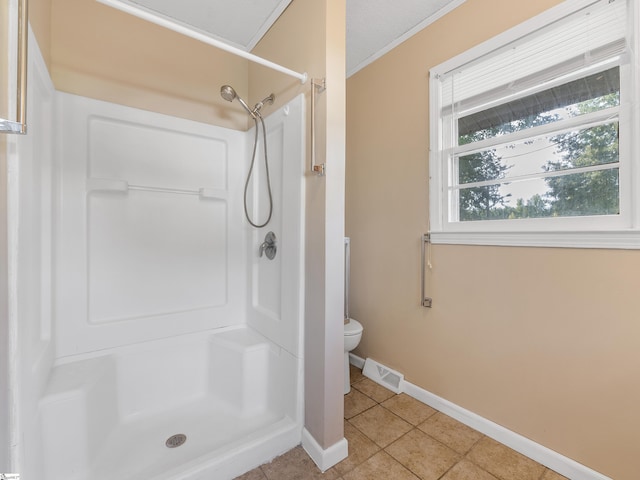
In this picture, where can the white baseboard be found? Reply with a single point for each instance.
(324, 458)
(356, 361)
(541, 454)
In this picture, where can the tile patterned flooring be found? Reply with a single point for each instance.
(395, 437)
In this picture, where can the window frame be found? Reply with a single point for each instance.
(613, 231)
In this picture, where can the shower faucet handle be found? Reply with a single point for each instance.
(268, 247)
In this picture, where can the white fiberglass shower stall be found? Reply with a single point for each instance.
(150, 339)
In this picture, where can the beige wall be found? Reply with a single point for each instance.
(40, 21)
(318, 48)
(542, 341)
(102, 53)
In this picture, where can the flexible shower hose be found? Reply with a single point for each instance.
(266, 166)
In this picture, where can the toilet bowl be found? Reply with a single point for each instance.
(352, 336)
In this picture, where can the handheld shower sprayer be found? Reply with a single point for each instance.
(229, 94)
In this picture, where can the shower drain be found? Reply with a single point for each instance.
(175, 440)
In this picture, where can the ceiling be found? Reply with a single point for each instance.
(376, 26)
(240, 23)
(373, 26)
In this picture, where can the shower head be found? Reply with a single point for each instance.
(229, 94)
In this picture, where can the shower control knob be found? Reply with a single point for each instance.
(268, 247)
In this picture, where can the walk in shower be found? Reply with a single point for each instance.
(159, 344)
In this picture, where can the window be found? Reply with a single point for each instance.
(532, 134)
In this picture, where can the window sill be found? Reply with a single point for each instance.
(622, 239)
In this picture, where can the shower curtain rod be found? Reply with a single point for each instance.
(177, 27)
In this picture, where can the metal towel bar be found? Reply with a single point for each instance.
(20, 124)
(347, 276)
(320, 86)
(424, 300)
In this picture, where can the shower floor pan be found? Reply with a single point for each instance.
(232, 394)
(138, 451)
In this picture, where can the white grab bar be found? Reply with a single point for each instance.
(117, 185)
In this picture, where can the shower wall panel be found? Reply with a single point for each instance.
(31, 194)
(151, 238)
(34, 165)
(138, 267)
(277, 286)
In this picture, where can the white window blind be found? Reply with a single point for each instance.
(582, 39)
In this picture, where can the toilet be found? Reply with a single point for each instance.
(352, 328)
(352, 337)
